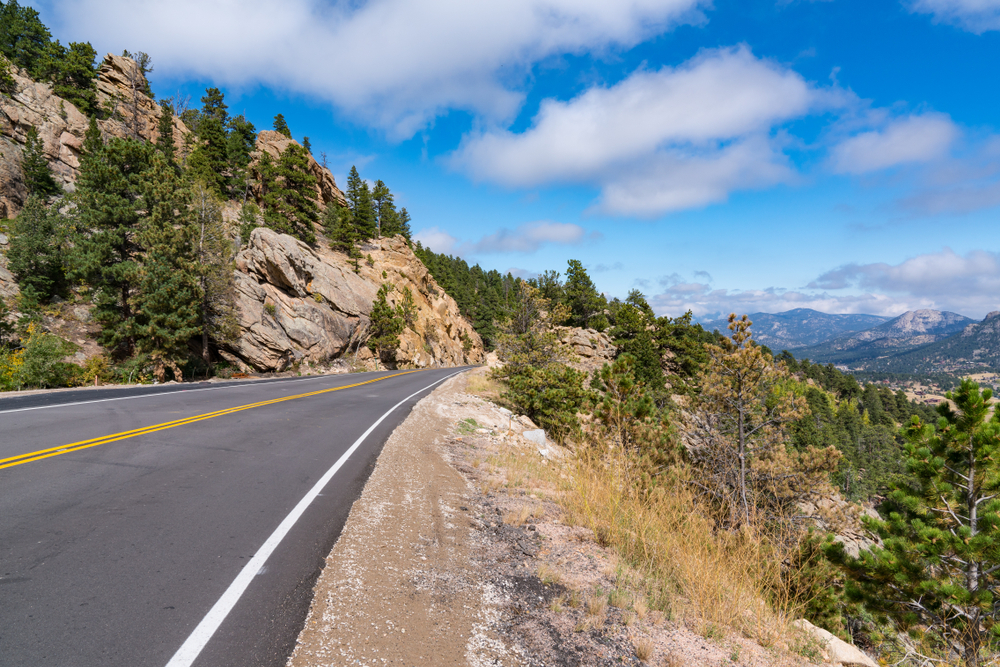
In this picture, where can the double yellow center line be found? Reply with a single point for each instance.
(124, 435)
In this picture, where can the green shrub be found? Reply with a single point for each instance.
(551, 397)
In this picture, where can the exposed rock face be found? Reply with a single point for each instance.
(275, 143)
(61, 127)
(591, 348)
(8, 284)
(301, 304)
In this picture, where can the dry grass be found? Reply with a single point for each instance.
(643, 648)
(619, 599)
(548, 574)
(483, 385)
(518, 517)
(597, 605)
(674, 659)
(712, 578)
(640, 608)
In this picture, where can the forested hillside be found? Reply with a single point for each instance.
(127, 258)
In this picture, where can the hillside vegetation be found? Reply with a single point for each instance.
(131, 217)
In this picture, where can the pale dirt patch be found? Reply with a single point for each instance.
(456, 554)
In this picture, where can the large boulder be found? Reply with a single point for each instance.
(298, 303)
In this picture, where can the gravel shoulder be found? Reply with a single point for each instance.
(456, 553)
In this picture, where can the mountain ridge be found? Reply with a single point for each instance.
(801, 327)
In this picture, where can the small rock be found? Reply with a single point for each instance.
(536, 436)
(3, 239)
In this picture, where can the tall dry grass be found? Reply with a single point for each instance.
(691, 571)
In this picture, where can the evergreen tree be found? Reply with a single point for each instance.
(165, 138)
(339, 228)
(109, 205)
(73, 74)
(938, 562)
(207, 162)
(35, 252)
(745, 468)
(281, 126)
(215, 254)
(168, 299)
(240, 142)
(306, 144)
(359, 199)
(386, 325)
(386, 217)
(403, 223)
(583, 299)
(37, 174)
(288, 191)
(24, 39)
(633, 335)
(93, 140)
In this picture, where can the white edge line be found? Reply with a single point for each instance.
(160, 394)
(200, 636)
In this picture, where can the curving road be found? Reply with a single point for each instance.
(180, 525)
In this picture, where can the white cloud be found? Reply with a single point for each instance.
(709, 304)
(976, 16)
(913, 139)
(394, 64)
(944, 275)
(527, 238)
(660, 140)
(436, 239)
(967, 284)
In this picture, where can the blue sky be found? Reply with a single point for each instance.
(719, 156)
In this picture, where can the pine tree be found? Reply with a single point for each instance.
(168, 299)
(582, 297)
(280, 125)
(288, 191)
(215, 252)
(386, 216)
(633, 335)
(745, 467)
(359, 199)
(165, 138)
(386, 325)
(403, 223)
(339, 228)
(240, 142)
(938, 563)
(306, 144)
(207, 162)
(109, 205)
(37, 174)
(93, 140)
(35, 255)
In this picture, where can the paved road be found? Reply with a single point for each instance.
(118, 551)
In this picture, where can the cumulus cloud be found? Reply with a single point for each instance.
(968, 284)
(526, 238)
(436, 239)
(392, 63)
(657, 141)
(913, 139)
(976, 16)
(944, 275)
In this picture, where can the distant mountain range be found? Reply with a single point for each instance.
(918, 341)
(801, 327)
(911, 330)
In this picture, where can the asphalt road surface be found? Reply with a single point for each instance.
(180, 525)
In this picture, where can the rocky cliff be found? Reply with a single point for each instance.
(300, 304)
(296, 303)
(61, 127)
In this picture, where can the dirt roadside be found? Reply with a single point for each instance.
(451, 557)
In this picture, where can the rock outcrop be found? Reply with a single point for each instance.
(835, 651)
(61, 127)
(299, 304)
(274, 144)
(589, 349)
